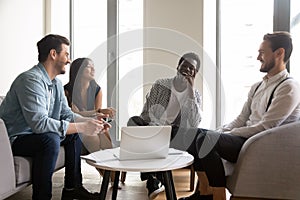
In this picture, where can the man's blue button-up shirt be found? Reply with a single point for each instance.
(36, 104)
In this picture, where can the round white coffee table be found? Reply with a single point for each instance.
(106, 160)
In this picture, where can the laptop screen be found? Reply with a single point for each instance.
(144, 142)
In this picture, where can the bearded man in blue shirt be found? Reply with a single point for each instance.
(39, 121)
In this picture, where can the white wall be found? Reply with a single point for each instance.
(21, 25)
(185, 25)
(181, 26)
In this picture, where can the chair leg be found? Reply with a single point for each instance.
(192, 178)
(123, 177)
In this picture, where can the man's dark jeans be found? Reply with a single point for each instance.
(43, 149)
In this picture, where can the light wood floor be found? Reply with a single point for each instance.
(133, 189)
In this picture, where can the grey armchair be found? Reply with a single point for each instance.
(15, 171)
(268, 166)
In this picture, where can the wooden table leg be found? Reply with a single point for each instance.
(116, 185)
(169, 185)
(104, 184)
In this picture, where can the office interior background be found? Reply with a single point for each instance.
(135, 42)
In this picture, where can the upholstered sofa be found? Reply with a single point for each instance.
(15, 171)
(268, 166)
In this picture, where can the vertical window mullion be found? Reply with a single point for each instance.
(112, 62)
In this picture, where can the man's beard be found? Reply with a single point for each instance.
(267, 66)
(62, 71)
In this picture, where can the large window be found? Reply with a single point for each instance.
(93, 34)
(242, 27)
(130, 59)
(295, 31)
(90, 37)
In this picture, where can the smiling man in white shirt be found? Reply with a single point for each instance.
(273, 102)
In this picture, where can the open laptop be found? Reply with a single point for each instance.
(144, 142)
